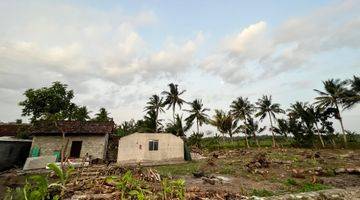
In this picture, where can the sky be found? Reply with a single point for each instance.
(116, 54)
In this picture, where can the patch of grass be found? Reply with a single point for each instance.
(179, 169)
(261, 193)
(308, 187)
(227, 170)
(290, 182)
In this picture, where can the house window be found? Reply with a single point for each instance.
(153, 145)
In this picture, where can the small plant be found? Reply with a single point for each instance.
(290, 182)
(62, 174)
(308, 187)
(35, 188)
(262, 193)
(173, 189)
(129, 186)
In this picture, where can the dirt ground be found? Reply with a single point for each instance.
(229, 174)
(286, 171)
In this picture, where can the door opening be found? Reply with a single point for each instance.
(75, 149)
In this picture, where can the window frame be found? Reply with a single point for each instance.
(153, 145)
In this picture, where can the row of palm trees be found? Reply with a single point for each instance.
(301, 118)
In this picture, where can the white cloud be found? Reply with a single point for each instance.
(99, 54)
(256, 52)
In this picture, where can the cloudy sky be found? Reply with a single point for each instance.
(115, 54)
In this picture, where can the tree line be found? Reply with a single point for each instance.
(302, 120)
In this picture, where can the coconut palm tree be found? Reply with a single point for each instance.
(155, 104)
(242, 109)
(265, 108)
(172, 98)
(282, 127)
(334, 96)
(309, 116)
(80, 114)
(176, 127)
(314, 114)
(197, 112)
(225, 123)
(102, 116)
(353, 95)
(252, 127)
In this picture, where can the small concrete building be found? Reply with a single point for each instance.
(13, 151)
(88, 137)
(150, 148)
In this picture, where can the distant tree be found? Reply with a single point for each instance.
(242, 109)
(156, 105)
(265, 108)
(172, 98)
(197, 113)
(48, 102)
(18, 121)
(353, 95)
(177, 128)
(302, 112)
(126, 128)
(80, 114)
(251, 127)
(333, 97)
(282, 128)
(195, 139)
(151, 123)
(225, 123)
(102, 116)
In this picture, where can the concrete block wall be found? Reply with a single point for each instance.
(93, 145)
(135, 148)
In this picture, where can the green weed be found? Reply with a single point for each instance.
(308, 187)
(261, 193)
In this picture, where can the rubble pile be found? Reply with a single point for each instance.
(259, 161)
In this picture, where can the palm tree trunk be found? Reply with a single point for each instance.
(320, 137)
(256, 140)
(333, 142)
(246, 139)
(342, 125)
(174, 113)
(272, 131)
(197, 125)
(156, 120)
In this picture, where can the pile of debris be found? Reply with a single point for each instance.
(195, 193)
(259, 161)
(93, 182)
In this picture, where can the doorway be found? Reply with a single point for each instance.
(75, 149)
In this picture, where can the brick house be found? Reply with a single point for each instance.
(12, 129)
(88, 137)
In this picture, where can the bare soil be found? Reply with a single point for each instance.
(238, 173)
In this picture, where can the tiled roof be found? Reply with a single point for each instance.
(11, 129)
(74, 128)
